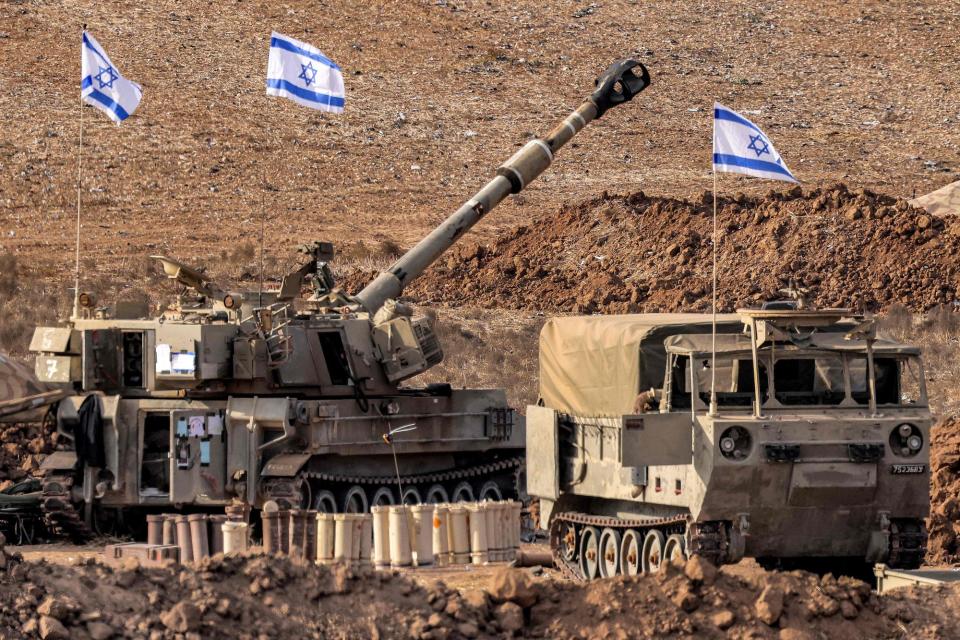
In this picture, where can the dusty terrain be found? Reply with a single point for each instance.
(944, 522)
(641, 254)
(271, 597)
(439, 93)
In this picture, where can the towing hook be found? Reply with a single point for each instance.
(618, 84)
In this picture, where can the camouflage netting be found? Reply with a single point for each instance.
(17, 381)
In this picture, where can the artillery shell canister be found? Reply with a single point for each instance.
(183, 539)
(169, 529)
(155, 529)
(198, 536)
(215, 529)
(400, 548)
(325, 537)
(381, 536)
(271, 531)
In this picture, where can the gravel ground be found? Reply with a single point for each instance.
(438, 93)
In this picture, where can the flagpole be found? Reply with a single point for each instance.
(713, 332)
(713, 355)
(76, 282)
(263, 214)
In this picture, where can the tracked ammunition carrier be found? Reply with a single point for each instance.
(813, 452)
(270, 396)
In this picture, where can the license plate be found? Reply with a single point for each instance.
(898, 469)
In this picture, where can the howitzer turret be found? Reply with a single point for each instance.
(264, 395)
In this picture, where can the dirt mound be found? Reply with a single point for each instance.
(696, 600)
(271, 597)
(943, 547)
(237, 597)
(23, 446)
(637, 253)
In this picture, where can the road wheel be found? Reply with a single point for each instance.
(490, 491)
(675, 548)
(652, 554)
(610, 540)
(630, 548)
(355, 500)
(411, 496)
(590, 553)
(383, 497)
(463, 492)
(325, 502)
(436, 494)
(568, 541)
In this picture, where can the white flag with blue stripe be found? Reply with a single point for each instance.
(299, 71)
(101, 84)
(739, 146)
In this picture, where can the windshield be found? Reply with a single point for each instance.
(734, 382)
(812, 379)
(808, 380)
(898, 380)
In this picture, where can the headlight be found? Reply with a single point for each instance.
(735, 443)
(906, 440)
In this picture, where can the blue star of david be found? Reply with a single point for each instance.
(308, 73)
(759, 145)
(110, 74)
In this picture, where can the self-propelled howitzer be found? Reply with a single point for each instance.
(257, 396)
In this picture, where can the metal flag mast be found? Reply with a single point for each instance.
(76, 281)
(263, 215)
(713, 332)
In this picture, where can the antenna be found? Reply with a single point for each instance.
(713, 328)
(263, 215)
(76, 279)
(388, 438)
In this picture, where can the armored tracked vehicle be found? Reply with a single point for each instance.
(266, 396)
(813, 451)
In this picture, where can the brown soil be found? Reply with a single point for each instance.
(271, 597)
(864, 92)
(23, 446)
(638, 253)
(943, 547)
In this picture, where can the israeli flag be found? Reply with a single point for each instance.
(299, 71)
(102, 85)
(739, 146)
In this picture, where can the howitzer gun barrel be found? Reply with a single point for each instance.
(617, 85)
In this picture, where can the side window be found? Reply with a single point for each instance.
(888, 380)
(887, 377)
(809, 381)
(911, 390)
(335, 357)
(734, 381)
(680, 383)
(745, 377)
(794, 375)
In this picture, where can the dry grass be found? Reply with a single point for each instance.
(26, 303)
(488, 349)
(23, 305)
(937, 333)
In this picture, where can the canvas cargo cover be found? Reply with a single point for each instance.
(945, 201)
(596, 365)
